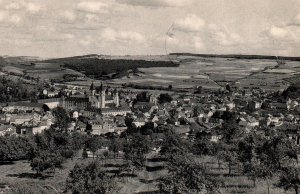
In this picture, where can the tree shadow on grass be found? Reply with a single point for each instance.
(6, 163)
(30, 176)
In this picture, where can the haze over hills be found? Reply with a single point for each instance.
(171, 56)
(237, 56)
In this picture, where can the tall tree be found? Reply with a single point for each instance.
(135, 149)
(90, 178)
(163, 98)
(290, 179)
(187, 176)
(62, 118)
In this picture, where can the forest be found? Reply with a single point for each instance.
(106, 68)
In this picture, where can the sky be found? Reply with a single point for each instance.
(59, 28)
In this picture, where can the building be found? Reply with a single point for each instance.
(103, 98)
(98, 98)
(115, 111)
(23, 106)
(7, 130)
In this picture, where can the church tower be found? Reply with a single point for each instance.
(94, 98)
(92, 89)
(116, 98)
(102, 96)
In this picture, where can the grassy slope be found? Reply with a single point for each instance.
(20, 173)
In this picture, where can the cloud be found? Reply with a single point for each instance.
(15, 19)
(86, 41)
(32, 7)
(92, 6)
(68, 15)
(91, 17)
(28, 6)
(156, 3)
(278, 32)
(112, 35)
(198, 43)
(55, 37)
(3, 15)
(191, 23)
(226, 38)
(13, 6)
(49, 33)
(295, 21)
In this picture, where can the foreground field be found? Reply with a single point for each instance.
(19, 174)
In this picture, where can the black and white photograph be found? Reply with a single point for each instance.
(149, 96)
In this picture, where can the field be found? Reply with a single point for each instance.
(49, 71)
(43, 71)
(189, 71)
(213, 73)
(19, 173)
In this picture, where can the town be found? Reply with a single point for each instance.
(149, 97)
(145, 130)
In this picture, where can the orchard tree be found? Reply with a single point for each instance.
(188, 176)
(90, 178)
(229, 156)
(62, 118)
(290, 179)
(44, 160)
(135, 149)
(116, 145)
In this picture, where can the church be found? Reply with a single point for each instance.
(96, 98)
(101, 100)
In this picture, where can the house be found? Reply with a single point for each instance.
(275, 120)
(116, 111)
(138, 122)
(254, 105)
(52, 94)
(230, 105)
(291, 104)
(7, 130)
(102, 126)
(23, 106)
(240, 102)
(243, 122)
(210, 135)
(278, 105)
(72, 126)
(252, 122)
(19, 119)
(147, 115)
(248, 123)
(80, 126)
(183, 129)
(74, 114)
(40, 128)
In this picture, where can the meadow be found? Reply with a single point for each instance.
(18, 174)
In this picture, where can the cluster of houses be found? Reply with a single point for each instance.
(99, 110)
(191, 114)
(24, 118)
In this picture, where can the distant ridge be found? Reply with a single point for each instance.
(239, 56)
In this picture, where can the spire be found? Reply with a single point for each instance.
(115, 91)
(92, 86)
(101, 87)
